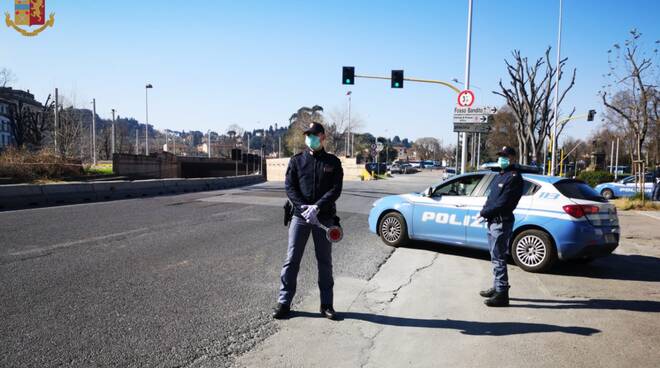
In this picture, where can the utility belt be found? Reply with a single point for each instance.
(502, 218)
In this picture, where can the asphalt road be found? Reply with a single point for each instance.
(175, 281)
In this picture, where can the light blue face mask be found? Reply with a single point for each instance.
(313, 142)
(503, 162)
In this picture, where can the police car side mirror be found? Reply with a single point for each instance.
(428, 192)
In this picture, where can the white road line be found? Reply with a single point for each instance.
(657, 217)
(78, 242)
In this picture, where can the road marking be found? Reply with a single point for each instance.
(657, 217)
(77, 242)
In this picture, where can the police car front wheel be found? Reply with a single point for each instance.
(607, 193)
(533, 251)
(393, 230)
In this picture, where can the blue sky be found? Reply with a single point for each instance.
(253, 63)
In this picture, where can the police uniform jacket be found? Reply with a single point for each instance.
(505, 192)
(314, 178)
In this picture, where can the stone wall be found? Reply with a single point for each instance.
(277, 168)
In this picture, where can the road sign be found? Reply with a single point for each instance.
(472, 127)
(466, 98)
(379, 146)
(479, 114)
(472, 119)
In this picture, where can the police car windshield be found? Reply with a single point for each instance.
(576, 189)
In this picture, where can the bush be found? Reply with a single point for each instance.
(594, 178)
(21, 165)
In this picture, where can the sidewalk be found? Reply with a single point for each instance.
(422, 310)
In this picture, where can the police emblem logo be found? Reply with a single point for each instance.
(29, 13)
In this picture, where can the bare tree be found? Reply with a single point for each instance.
(68, 132)
(503, 133)
(634, 73)
(6, 77)
(427, 148)
(336, 128)
(530, 96)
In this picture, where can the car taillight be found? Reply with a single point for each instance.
(579, 210)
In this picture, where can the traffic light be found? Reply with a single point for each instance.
(590, 115)
(397, 78)
(348, 75)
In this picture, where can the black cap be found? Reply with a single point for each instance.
(314, 128)
(507, 151)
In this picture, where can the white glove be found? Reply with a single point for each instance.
(310, 213)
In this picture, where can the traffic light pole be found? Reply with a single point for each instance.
(446, 84)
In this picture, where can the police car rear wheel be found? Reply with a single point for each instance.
(393, 230)
(607, 193)
(533, 251)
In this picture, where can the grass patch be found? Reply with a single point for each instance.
(627, 204)
(99, 170)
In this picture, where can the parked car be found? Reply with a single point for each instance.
(626, 187)
(379, 168)
(556, 219)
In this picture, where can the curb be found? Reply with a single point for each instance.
(21, 196)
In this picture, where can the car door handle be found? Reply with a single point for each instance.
(459, 205)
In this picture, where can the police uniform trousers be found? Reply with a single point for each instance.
(299, 231)
(499, 238)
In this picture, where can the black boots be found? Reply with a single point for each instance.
(281, 311)
(328, 312)
(487, 293)
(498, 299)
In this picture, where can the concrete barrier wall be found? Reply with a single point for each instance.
(277, 169)
(20, 196)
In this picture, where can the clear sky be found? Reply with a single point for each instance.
(253, 63)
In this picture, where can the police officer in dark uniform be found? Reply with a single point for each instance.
(505, 192)
(313, 184)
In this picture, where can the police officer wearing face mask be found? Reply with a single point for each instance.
(313, 184)
(505, 192)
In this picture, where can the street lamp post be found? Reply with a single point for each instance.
(57, 106)
(558, 71)
(146, 131)
(467, 80)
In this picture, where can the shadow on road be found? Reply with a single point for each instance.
(611, 304)
(465, 327)
(624, 267)
(631, 267)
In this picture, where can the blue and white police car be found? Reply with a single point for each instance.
(556, 219)
(626, 187)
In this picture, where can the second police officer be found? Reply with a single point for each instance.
(313, 184)
(505, 192)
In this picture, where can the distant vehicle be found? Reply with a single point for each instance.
(379, 168)
(626, 187)
(556, 219)
(406, 169)
(449, 172)
(415, 164)
(396, 169)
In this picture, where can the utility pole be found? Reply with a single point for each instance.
(279, 147)
(137, 141)
(113, 131)
(94, 131)
(616, 164)
(558, 71)
(348, 135)
(612, 158)
(467, 80)
(146, 131)
(55, 123)
(478, 148)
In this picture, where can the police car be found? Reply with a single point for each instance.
(626, 187)
(556, 219)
